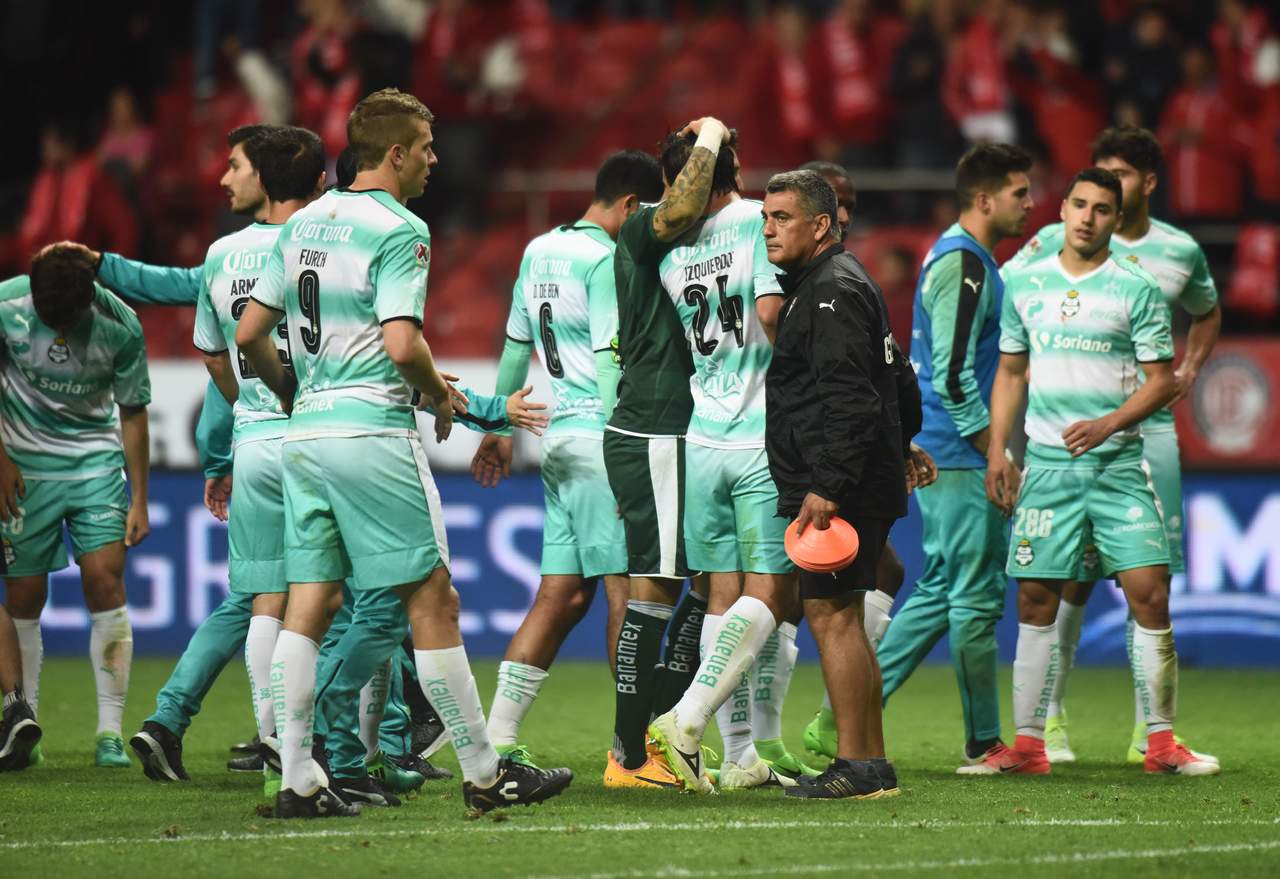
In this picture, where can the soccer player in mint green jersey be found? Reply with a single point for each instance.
(1086, 325)
(565, 304)
(1177, 263)
(726, 292)
(73, 353)
(349, 273)
(955, 344)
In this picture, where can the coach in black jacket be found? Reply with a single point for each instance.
(835, 444)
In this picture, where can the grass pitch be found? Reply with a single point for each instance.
(1097, 818)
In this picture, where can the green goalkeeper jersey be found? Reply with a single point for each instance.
(59, 392)
(342, 267)
(1168, 254)
(1087, 338)
(714, 276)
(566, 304)
(230, 276)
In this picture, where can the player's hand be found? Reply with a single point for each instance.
(12, 487)
(1002, 482)
(443, 407)
(458, 400)
(524, 414)
(921, 471)
(695, 128)
(492, 461)
(137, 525)
(217, 495)
(817, 511)
(1085, 435)
(1183, 380)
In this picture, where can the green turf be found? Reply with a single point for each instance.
(1098, 818)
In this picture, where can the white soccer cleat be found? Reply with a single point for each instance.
(734, 776)
(683, 752)
(1057, 746)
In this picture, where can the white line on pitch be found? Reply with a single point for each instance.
(482, 826)
(671, 871)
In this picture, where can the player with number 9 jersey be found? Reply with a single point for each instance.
(342, 267)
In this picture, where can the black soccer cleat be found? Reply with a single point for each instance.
(411, 762)
(888, 776)
(364, 791)
(516, 785)
(246, 763)
(324, 803)
(19, 734)
(427, 735)
(243, 748)
(843, 779)
(269, 752)
(160, 753)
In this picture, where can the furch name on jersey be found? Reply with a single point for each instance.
(313, 258)
(721, 262)
(311, 230)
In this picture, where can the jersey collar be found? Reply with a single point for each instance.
(1071, 279)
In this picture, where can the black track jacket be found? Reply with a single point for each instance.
(835, 423)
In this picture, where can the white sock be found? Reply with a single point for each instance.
(518, 686)
(1070, 621)
(733, 719)
(446, 680)
(742, 632)
(259, 645)
(875, 616)
(1155, 675)
(111, 652)
(31, 646)
(710, 628)
(770, 678)
(826, 701)
(1139, 714)
(293, 688)
(1035, 666)
(373, 701)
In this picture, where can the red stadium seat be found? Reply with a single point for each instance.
(1255, 283)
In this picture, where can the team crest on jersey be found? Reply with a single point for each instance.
(422, 253)
(58, 351)
(1133, 258)
(1071, 305)
(1024, 555)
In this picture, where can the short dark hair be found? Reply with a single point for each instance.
(1099, 177)
(250, 136)
(986, 168)
(1134, 145)
(290, 162)
(382, 120)
(676, 148)
(629, 172)
(345, 168)
(817, 196)
(828, 169)
(62, 284)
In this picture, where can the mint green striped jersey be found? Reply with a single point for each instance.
(714, 276)
(58, 393)
(1170, 255)
(565, 303)
(1086, 337)
(343, 266)
(230, 276)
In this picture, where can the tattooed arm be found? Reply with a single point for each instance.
(687, 196)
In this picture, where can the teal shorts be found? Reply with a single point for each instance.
(255, 529)
(363, 507)
(731, 520)
(93, 509)
(1164, 466)
(1058, 509)
(581, 533)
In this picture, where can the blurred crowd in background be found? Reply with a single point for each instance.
(117, 116)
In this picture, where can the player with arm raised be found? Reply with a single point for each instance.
(349, 272)
(564, 303)
(73, 354)
(1178, 264)
(644, 453)
(1086, 324)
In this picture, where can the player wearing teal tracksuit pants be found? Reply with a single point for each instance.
(954, 348)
